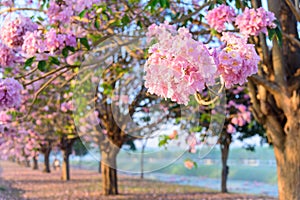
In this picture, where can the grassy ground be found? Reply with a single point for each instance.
(17, 182)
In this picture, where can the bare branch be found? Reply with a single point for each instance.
(294, 9)
(292, 39)
(20, 9)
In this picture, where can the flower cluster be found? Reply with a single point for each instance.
(7, 3)
(217, 17)
(33, 43)
(12, 32)
(4, 117)
(56, 41)
(10, 93)
(67, 106)
(7, 56)
(255, 21)
(237, 61)
(52, 41)
(178, 65)
(60, 11)
(240, 118)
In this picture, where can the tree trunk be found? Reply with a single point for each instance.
(142, 160)
(35, 163)
(47, 160)
(109, 172)
(99, 167)
(225, 140)
(65, 170)
(288, 166)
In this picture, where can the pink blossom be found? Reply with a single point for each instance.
(67, 106)
(255, 21)
(7, 56)
(7, 3)
(189, 164)
(178, 66)
(12, 32)
(4, 117)
(53, 40)
(33, 43)
(237, 61)
(230, 129)
(10, 93)
(60, 13)
(173, 135)
(38, 122)
(217, 17)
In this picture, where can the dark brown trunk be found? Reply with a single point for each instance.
(225, 140)
(99, 167)
(65, 170)
(109, 172)
(47, 160)
(35, 163)
(66, 147)
(142, 161)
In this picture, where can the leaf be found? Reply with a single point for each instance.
(65, 52)
(82, 14)
(8, 70)
(211, 6)
(85, 43)
(97, 23)
(54, 60)
(125, 20)
(42, 65)
(279, 35)
(72, 49)
(163, 3)
(271, 33)
(238, 4)
(195, 165)
(29, 61)
(105, 16)
(40, 18)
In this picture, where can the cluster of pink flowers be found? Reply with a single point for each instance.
(12, 32)
(7, 56)
(7, 3)
(240, 118)
(4, 117)
(217, 17)
(80, 5)
(60, 12)
(255, 21)
(10, 93)
(237, 61)
(67, 106)
(35, 42)
(178, 65)
(56, 41)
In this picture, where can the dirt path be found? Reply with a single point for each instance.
(17, 182)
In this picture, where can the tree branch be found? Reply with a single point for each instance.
(293, 8)
(272, 87)
(20, 9)
(292, 39)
